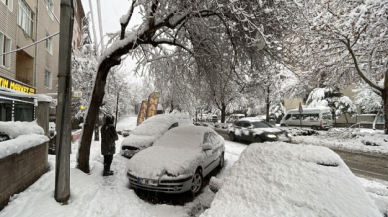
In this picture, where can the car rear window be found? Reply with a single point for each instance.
(261, 124)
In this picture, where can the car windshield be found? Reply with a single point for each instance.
(261, 124)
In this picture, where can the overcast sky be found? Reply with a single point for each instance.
(111, 11)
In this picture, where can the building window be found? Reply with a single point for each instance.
(9, 3)
(50, 8)
(49, 43)
(25, 17)
(5, 47)
(47, 78)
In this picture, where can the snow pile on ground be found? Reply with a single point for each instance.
(378, 192)
(281, 179)
(15, 129)
(301, 131)
(348, 139)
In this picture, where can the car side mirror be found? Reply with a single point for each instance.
(207, 146)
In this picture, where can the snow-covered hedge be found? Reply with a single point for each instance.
(15, 129)
(281, 179)
(23, 135)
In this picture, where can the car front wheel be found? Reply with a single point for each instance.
(197, 182)
(258, 139)
(232, 137)
(222, 161)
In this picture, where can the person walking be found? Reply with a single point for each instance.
(108, 145)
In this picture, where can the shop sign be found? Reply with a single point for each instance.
(15, 85)
(77, 94)
(153, 101)
(142, 112)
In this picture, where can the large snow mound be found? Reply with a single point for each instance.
(280, 179)
(15, 129)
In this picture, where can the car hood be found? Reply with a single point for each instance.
(266, 130)
(161, 162)
(139, 141)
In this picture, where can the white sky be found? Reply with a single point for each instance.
(111, 11)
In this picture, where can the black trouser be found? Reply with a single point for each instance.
(107, 162)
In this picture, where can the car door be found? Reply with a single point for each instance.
(238, 130)
(245, 131)
(212, 156)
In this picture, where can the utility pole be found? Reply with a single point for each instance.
(94, 30)
(117, 107)
(63, 125)
(100, 25)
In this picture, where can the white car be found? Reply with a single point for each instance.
(316, 118)
(144, 135)
(178, 161)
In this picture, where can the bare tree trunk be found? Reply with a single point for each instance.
(346, 118)
(117, 107)
(97, 96)
(172, 106)
(96, 133)
(223, 113)
(385, 101)
(267, 115)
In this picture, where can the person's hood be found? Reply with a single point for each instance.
(161, 162)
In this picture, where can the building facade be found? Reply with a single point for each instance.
(24, 22)
(29, 51)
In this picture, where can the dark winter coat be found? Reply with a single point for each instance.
(108, 137)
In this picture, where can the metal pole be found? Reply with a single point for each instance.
(117, 107)
(63, 125)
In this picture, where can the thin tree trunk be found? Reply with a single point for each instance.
(385, 101)
(223, 113)
(117, 107)
(267, 115)
(346, 118)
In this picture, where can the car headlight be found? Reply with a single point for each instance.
(289, 134)
(271, 136)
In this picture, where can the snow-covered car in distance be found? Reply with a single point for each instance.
(178, 161)
(234, 117)
(256, 130)
(144, 135)
(281, 179)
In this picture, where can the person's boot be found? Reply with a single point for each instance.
(106, 173)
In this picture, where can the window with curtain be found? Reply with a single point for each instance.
(25, 17)
(5, 46)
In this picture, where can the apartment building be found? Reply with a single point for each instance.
(31, 69)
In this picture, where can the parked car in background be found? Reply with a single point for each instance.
(178, 161)
(144, 135)
(214, 119)
(264, 118)
(202, 117)
(256, 130)
(234, 117)
(316, 118)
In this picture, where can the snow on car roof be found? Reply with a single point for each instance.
(157, 124)
(281, 179)
(251, 119)
(183, 137)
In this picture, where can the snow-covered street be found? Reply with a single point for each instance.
(95, 195)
